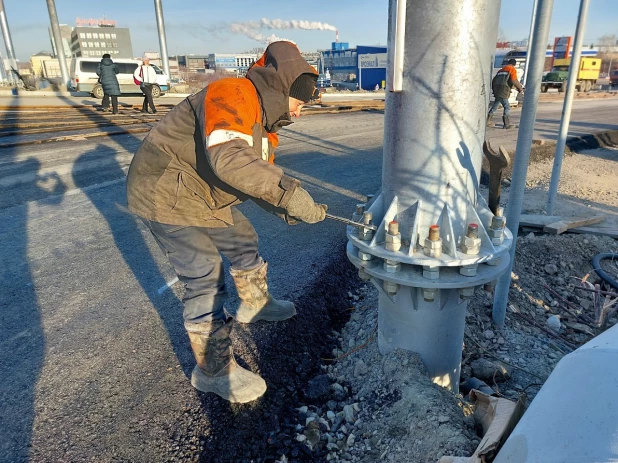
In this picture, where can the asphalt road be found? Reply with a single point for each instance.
(93, 355)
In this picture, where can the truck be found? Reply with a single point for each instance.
(589, 70)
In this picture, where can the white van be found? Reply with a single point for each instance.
(84, 77)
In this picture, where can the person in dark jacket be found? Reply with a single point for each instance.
(501, 85)
(107, 71)
(211, 152)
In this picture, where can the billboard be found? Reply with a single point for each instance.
(372, 61)
(562, 46)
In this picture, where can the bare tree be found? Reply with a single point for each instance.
(256, 51)
(501, 35)
(607, 40)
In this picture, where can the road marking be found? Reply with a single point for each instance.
(164, 288)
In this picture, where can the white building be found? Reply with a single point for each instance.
(231, 62)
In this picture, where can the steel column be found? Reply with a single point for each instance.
(62, 61)
(530, 40)
(568, 105)
(162, 37)
(522, 151)
(434, 129)
(8, 42)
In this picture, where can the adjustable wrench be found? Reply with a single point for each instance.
(497, 163)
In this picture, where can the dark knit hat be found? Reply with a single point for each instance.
(303, 87)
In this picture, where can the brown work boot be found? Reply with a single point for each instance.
(256, 302)
(507, 122)
(216, 370)
(489, 120)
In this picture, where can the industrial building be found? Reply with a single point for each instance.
(193, 63)
(231, 62)
(365, 64)
(99, 39)
(155, 59)
(66, 32)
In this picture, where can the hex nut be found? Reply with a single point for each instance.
(393, 242)
(495, 233)
(498, 222)
(364, 256)
(433, 248)
(429, 294)
(363, 275)
(471, 246)
(365, 234)
(431, 273)
(493, 262)
(468, 270)
(497, 241)
(390, 287)
(466, 293)
(391, 266)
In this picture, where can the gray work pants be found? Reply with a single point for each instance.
(496, 104)
(195, 253)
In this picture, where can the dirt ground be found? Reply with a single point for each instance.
(365, 407)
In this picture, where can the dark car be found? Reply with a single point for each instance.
(613, 78)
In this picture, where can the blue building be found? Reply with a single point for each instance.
(344, 64)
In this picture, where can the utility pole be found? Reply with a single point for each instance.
(62, 61)
(162, 37)
(522, 151)
(568, 104)
(8, 42)
(436, 241)
(530, 40)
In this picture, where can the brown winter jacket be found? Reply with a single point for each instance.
(216, 148)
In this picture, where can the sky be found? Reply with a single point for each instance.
(203, 26)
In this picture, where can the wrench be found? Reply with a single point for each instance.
(497, 163)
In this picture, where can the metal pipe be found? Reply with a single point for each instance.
(530, 40)
(433, 148)
(8, 42)
(62, 61)
(522, 152)
(162, 37)
(568, 105)
(398, 21)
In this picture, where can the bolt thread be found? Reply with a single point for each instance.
(367, 217)
(434, 233)
(473, 230)
(393, 228)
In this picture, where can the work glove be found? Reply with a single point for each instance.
(303, 207)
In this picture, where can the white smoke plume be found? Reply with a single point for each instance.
(252, 29)
(280, 24)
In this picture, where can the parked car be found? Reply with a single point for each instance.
(84, 77)
(613, 78)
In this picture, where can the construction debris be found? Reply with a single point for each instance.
(555, 225)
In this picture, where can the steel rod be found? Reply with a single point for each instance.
(162, 37)
(8, 42)
(55, 26)
(530, 40)
(350, 222)
(568, 105)
(522, 152)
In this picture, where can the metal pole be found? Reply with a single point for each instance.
(530, 40)
(162, 38)
(522, 151)
(433, 245)
(568, 104)
(62, 61)
(8, 42)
